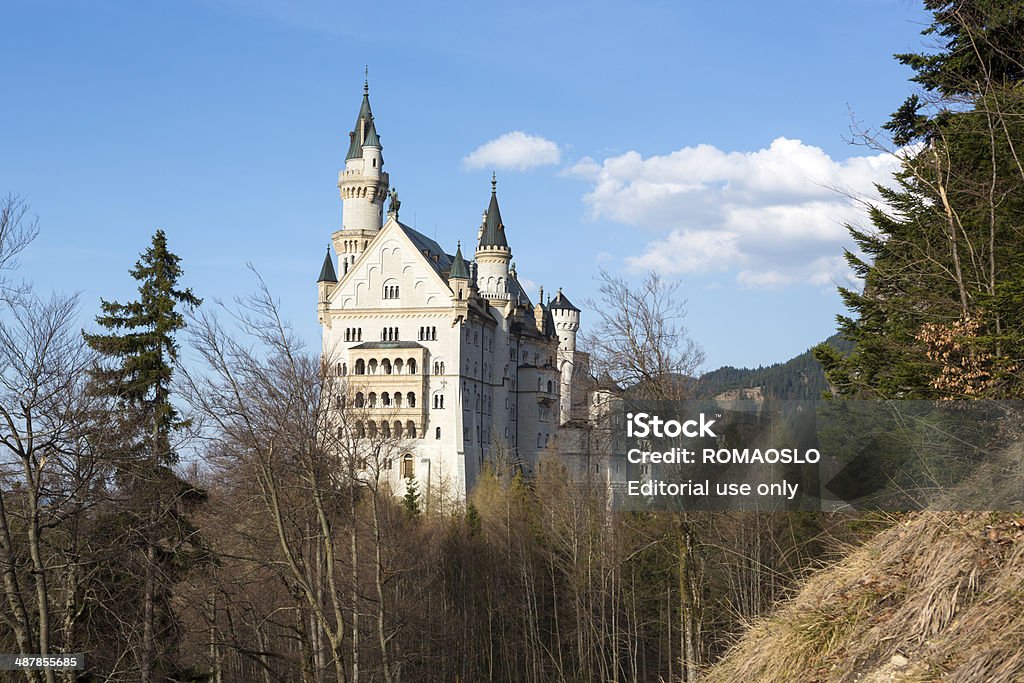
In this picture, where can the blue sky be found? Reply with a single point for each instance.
(700, 139)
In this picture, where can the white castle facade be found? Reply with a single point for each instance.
(447, 356)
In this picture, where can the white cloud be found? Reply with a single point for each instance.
(515, 150)
(774, 216)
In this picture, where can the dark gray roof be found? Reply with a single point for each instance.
(327, 273)
(389, 345)
(372, 140)
(459, 268)
(431, 250)
(355, 145)
(515, 288)
(494, 230)
(561, 302)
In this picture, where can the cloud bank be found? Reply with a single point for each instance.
(773, 217)
(516, 150)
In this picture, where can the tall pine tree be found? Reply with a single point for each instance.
(941, 314)
(139, 351)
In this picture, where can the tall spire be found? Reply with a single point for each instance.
(364, 124)
(494, 230)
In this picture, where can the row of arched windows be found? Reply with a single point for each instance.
(439, 401)
(386, 400)
(384, 428)
(389, 334)
(438, 367)
(391, 291)
(385, 367)
(428, 334)
(353, 334)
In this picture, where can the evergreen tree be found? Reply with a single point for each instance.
(138, 352)
(941, 314)
(411, 499)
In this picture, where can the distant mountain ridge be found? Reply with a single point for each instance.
(799, 378)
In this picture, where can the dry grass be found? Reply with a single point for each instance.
(939, 597)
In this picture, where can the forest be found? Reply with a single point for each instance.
(182, 498)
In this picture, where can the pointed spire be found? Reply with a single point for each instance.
(459, 268)
(372, 140)
(327, 273)
(364, 123)
(493, 234)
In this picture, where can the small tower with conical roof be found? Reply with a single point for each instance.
(325, 284)
(458, 277)
(573, 365)
(567, 321)
(493, 254)
(363, 185)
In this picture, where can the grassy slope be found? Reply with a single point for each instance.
(938, 597)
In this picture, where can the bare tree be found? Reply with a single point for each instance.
(17, 230)
(48, 468)
(639, 341)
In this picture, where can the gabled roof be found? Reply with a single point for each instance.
(561, 302)
(494, 230)
(327, 273)
(459, 267)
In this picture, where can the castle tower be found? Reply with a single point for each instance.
(573, 365)
(567, 321)
(493, 254)
(325, 284)
(363, 185)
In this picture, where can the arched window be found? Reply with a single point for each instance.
(360, 400)
(539, 437)
(398, 366)
(398, 399)
(398, 429)
(391, 289)
(411, 399)
(411, 365)
(360, 430)
(407, 467)
(385, 399)
(410, 427)
(549, 386)
(385, 366)
(442, 367)
(371, 400)
(344, 369)
(371, 367)
(385, 428)
(437, 433)
(360, 367)
(372, 428)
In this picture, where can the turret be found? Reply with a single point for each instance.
(325, 284)
(458, 277)
(363, 183)
(493, 254)
(567, 321)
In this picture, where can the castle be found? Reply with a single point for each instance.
(448, 356)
